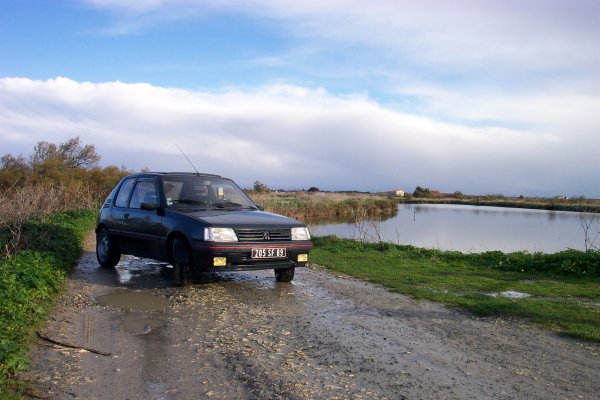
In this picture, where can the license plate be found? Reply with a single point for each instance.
(268, 253)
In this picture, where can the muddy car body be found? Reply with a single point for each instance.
(197, 222)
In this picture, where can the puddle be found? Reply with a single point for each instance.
(142, 272)
(510, 294)
(133, 301)
(141, 326)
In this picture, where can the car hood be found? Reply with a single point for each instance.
(244, 219)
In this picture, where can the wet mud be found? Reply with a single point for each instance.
(244, 336)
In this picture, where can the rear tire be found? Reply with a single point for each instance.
(106, 253)
(284, 274)
(182, 260)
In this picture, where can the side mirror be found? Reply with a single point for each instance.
(149, 206)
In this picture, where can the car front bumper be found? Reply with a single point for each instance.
(238, 256)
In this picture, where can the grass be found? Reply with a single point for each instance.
(564, 287)
(29, 283)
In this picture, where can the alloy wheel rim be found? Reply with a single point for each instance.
(103, 246)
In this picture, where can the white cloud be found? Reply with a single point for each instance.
(529, 65)
(559, 110)
(504, 35)
(290, 136)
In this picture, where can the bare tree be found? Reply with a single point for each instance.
(360, 224)
(76, 155)
(366, 228)
(43, 151)
(590, 223)
(72, 154)
(8, 161)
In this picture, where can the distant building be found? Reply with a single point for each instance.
(398, 193)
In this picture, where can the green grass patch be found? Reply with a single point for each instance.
(564, 287)
(30, 281)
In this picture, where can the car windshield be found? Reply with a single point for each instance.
(204, 192)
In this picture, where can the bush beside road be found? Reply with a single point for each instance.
(30, 281)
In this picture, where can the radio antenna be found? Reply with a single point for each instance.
(186, 157)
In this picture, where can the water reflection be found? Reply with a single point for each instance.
(143, 273)
(474, 228)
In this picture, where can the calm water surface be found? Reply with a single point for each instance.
(473, 229)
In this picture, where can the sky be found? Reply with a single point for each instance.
(477, 96)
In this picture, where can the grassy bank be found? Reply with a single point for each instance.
(564, 287)
(31, 279)
(326, 206)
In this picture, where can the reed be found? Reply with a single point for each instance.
(309, 207)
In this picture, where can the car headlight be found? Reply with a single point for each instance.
(220, 235)
(300, 233)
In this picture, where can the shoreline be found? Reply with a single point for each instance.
(547, 205)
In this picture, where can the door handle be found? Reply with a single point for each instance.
(126, 215)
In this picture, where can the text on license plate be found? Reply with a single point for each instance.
(268, 253)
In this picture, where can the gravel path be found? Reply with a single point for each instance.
(244, 336)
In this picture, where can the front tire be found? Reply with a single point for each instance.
(284, 274)
(106, 253)
(182, 260)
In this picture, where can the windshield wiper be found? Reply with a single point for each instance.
(230, 204)
(190, 204)
(186, 201)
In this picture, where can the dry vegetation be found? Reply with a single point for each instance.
(54, 178)
(324, 206)
(579, 204)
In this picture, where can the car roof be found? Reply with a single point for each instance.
(175, 174)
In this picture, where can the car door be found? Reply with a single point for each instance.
(142, 227)
(116, 217)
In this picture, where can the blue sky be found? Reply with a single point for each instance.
(488, 96)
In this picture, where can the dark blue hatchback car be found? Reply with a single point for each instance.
(197, 222)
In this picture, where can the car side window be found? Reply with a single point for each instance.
(123, 195)
(144, 191)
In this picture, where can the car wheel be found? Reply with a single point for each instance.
(284, 274)
(181, 261)
(106, 253)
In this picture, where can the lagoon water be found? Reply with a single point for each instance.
(473, 228)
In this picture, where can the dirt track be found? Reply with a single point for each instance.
(243, 336)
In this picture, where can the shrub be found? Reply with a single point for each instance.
(567, 262)
(30, 279)
(422, 192)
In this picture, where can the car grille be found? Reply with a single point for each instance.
(263, 235)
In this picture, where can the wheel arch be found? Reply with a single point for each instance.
(100, 226)
(169, 244)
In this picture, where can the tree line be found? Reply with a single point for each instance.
(70, 167)
(55, 177)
